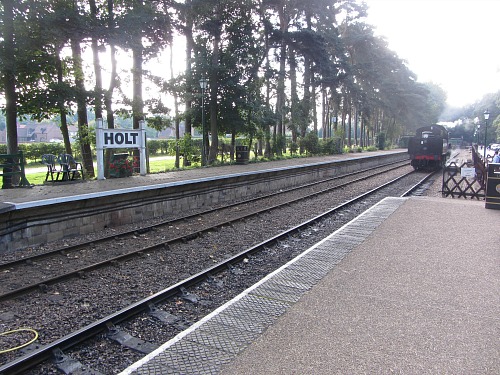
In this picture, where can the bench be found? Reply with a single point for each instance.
(70, 167)
(13, 165)
(50, 162)
(63, 165)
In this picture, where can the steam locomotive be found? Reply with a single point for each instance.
(428, 149)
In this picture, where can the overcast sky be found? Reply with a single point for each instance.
(453, 43)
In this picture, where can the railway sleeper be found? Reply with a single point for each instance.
(234, 270)
(162, 315)
(71, 366)
(190, 297)
(129, 341)
(213, 281)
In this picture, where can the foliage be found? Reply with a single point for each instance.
(159, 123)
(155, 145)
(247, 49)
(331, 146)
(310, 143)
(34, 151)
(380, 141)
(120, 168)
(86, 135)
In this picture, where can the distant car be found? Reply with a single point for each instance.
(495, 146)
(54, 140)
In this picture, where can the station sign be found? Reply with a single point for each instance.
(120, 138)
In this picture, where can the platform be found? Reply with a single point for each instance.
(55, 212)
(408, 287)
(72, 189)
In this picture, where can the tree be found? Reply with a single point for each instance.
(9, 59)
(81, 93)
(145, 28)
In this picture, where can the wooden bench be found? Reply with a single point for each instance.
(13, 165)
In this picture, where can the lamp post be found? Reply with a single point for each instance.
(486, 117)
(203, 85)
(477, 132)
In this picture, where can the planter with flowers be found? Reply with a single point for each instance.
(120, 166)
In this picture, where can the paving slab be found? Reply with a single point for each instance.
(419, 295)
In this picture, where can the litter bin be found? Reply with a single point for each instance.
(493, 187)
(242, 154)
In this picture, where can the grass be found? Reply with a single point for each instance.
(156, 165)
(36, 178)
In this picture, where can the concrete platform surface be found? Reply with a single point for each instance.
(419, 296)
(409, 287)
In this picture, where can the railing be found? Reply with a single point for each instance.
(479, 166)
(465, 178)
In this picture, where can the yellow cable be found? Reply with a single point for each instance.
(20, 346)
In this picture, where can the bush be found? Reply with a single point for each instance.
(34, 151)
(332, 146)
(155, 145)
(380, 141)
(310, 143)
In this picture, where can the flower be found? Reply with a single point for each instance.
(121, 168)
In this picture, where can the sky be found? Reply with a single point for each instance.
(452, 43)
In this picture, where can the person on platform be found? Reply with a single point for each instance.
(496, 158)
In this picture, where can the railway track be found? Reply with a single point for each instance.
(60, 264)
(179, 290)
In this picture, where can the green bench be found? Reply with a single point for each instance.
(13, 165)
(63, 165)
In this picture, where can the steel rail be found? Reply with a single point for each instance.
(416, 186)
(44, 353)
(161, 245)
(76, 247)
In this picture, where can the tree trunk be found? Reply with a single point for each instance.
(355, 125)
(113, 82)
(83, 128)
(188, 32)
(294, 125)
(97, 63)
(137, 103)
(349, 126)
(62, 107)
(213, 99)
(311, 103)
(267, 130)
(325, 111)
(280, 96)
(9, 78)
(176, 110)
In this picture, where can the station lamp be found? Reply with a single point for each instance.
(486, 117)
(203, 86)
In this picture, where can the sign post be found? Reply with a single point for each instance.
(120, 138)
